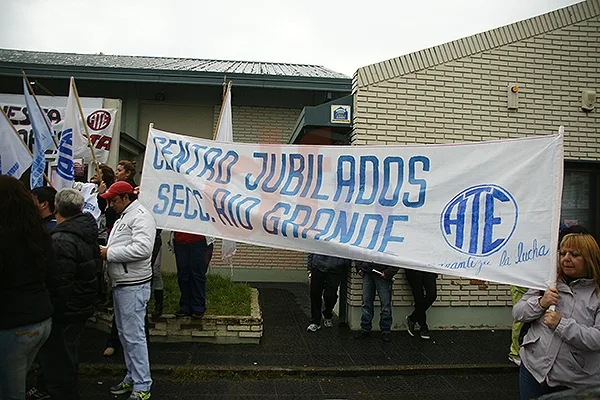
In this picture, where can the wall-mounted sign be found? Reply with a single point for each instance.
(340, 114)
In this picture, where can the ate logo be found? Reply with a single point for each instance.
(479, 220)
(98, 120)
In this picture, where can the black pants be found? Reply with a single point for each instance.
(323, 288)
(59, 361)
(424, 292)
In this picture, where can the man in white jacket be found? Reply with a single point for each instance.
(128, 253)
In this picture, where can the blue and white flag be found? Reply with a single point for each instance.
(14, 156)
(64, 160)
(42, 135)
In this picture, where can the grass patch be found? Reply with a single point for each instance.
(223, 296)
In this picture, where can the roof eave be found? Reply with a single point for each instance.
(177, 77)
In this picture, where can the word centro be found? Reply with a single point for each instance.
(359, 179)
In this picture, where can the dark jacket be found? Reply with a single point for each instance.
(387, 270)
(327, 264)
(78, 257)
(24, 297)
(49, 222)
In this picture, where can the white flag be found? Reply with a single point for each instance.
(42, 137)
(225, 134)
(14, 156)
(71, 131)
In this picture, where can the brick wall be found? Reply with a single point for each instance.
(457, 92)
(261, 125)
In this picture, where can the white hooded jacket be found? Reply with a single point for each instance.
(130, 246)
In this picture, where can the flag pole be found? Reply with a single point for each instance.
(40, 107)
(226, 90)
(24, 144)
(87, 134)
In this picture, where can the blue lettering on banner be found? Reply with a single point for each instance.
(524, 253)
(469, 263)
(211, 164)
(479, 220)
(64, 167)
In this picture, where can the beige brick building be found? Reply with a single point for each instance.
(459, 92)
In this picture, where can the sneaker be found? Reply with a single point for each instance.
(36, 394)
(515, 359)
(328, 323)
(424, 332)
(313, 328)
(386, 336)
(122, 388)
(139, 396)
(109, 352)
(362, 334)
(410, 326)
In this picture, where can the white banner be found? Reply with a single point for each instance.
(100, 124)
(486, 210)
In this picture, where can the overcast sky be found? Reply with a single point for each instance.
(340, 35)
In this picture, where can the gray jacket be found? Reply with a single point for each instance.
(570, 354)
(130, 245)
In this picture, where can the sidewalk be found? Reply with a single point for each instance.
(287, 348)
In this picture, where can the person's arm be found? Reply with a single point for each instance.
(529, 308)
(389, 272)
(143, 232)
(586, 338)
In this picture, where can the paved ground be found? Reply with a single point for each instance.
(291, 363)
(286, 344)
(500, 386)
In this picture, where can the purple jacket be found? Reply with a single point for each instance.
(570, 354)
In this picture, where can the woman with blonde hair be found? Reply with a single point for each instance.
(562, 347)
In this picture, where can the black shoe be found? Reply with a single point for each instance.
(362, 334)
(181, 314)
(424, 332)
(410, 326)
(386, 336)
(197, 315)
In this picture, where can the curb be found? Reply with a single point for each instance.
(210, 371)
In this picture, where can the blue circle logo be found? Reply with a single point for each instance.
(480, 220)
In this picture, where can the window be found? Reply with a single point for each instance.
(580, 196)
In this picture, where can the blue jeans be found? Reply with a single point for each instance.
(192, 264)
(374, 282)
(130, 310)
(18, 347)
(530, 388)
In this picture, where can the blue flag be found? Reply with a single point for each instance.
(42, 138)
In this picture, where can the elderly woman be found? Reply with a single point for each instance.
(562, 347)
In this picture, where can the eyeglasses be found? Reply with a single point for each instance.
(574, 254)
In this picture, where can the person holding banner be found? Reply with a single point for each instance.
(424, 289)
(376, 278)
(27, 271)
(561, 349)
(325, 274)
(129, 253)
(192, 257)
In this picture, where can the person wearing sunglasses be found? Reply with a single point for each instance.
(562, 347)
